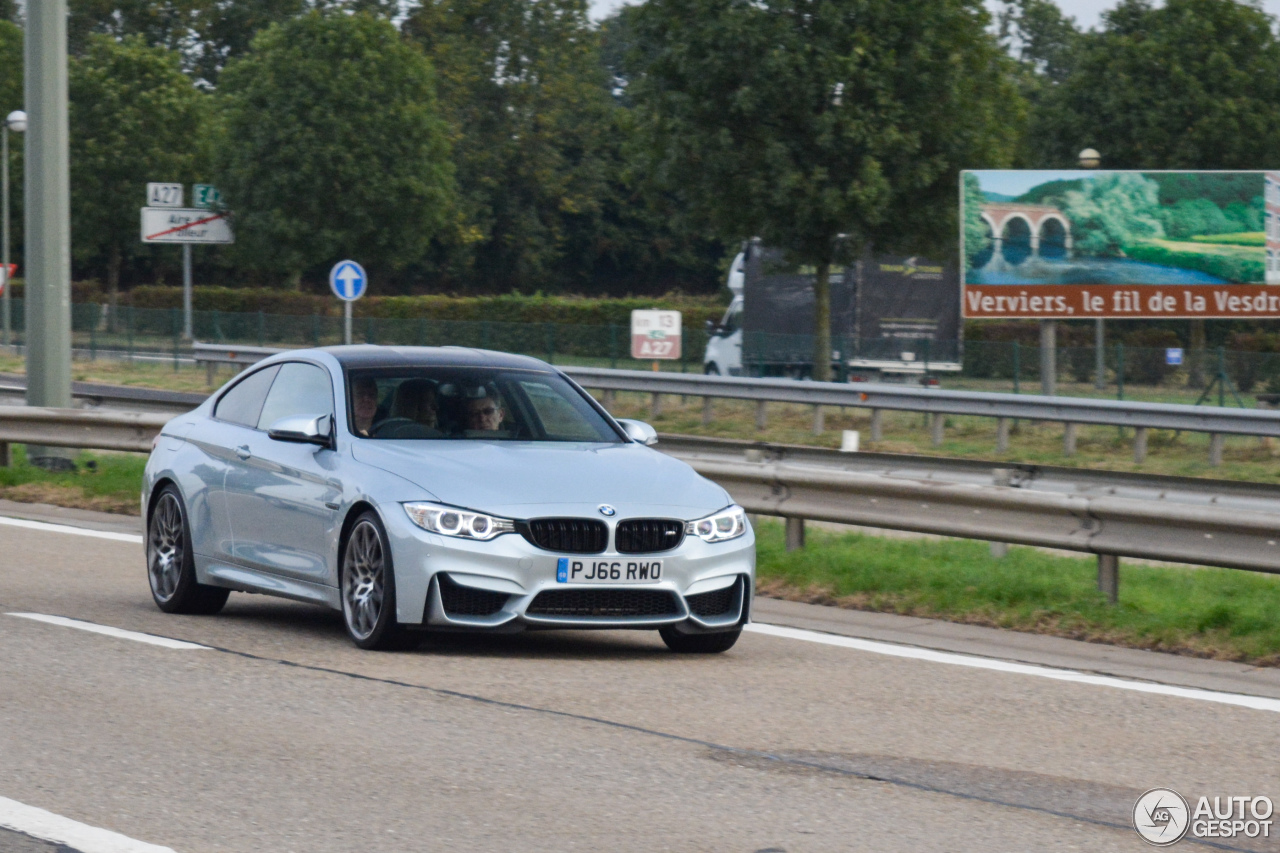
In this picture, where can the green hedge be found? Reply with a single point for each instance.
(1243, 238)
(1229, 267)
(512, 308)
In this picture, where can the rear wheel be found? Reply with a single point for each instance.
(699, 644)
(369, 588)
(171, 567)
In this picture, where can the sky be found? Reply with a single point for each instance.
(1086, 12)
(1016, 183)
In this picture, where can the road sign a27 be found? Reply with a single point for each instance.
(348, 281)
(655, 335)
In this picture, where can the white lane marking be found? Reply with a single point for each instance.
(95, 628)
(66, 528)
(1259, 703)
(48, 826)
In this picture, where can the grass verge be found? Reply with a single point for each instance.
(1212, 613)
(107, 482)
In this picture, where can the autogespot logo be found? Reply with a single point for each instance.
(1161, 817)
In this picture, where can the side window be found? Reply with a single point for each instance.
(243, 403)
(299, 389)
(732, 320)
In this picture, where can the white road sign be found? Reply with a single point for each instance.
(655, 334)
(184, 225)
(164, 195)
(348, 281)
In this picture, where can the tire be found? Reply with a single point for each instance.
(171, 566)
(699, 644)
(368, 588)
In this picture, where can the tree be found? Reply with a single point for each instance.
(821, 126)
(1190, 85)
(977, 234)
(135, 117)
(524, 90)
(332, 146)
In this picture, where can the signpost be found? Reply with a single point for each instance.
(348, 282)
(655, 335)
(176, 224)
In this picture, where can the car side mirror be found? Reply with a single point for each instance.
(304, 429)
(639, 431)
(713, 328)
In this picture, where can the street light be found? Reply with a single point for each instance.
(1091, 159)
(17, 122)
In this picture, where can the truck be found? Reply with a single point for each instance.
(892, 318)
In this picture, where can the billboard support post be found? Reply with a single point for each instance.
(1048, 357)
(1100, 354)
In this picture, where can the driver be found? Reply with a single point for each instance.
(485, 413)
(364, 404)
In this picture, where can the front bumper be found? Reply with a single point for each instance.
(509, 584)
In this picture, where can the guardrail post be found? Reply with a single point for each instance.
(1109, 577)
(610, 399)
(1000, 477)
(655, 406)
(877, 425)
(818, 421)
(935, 429)
(6, 454)
(1068, 439)
(707, 412)
(795, 534)
(1002, 435)
(1216, 441)
(762, 417)
(1139, 445)
(210, 368)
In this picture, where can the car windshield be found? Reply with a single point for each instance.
(471, 403)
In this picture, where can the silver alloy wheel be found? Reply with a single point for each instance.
(166, 546)
(363, 580)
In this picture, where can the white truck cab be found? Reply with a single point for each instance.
(724, 346)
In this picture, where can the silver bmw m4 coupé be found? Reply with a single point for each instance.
(451, 489)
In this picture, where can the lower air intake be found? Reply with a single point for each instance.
(459, 600)
(720, 602)
(604, 603)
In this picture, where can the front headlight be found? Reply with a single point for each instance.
(724, 525)
(451, 521)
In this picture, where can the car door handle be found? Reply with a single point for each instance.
(243, 451)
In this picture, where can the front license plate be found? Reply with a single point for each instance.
(569, 570)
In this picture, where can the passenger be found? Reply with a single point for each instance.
(364, 404)
(415, 399)
(485, 413)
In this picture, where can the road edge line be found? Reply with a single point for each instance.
(49, 527)
(47, 826)
(109, 631)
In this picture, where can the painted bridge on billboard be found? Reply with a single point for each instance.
(1084, 244)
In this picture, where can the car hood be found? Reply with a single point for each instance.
(522, 479)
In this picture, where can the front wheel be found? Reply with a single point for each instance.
(369, 588)
(699, 644)
(171, 567)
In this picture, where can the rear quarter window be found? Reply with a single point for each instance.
(242, 403)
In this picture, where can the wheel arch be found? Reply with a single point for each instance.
(357, 509)
(156, 488)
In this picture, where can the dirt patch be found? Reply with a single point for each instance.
(69, 496)
(1055, 625)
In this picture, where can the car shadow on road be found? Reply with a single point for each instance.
(321, 624)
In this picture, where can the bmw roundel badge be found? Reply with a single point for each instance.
(607, 510)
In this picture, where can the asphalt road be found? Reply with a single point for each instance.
(281, 736)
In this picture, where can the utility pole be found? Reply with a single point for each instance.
(48, 219)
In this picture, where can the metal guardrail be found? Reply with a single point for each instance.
(868, 395)
(1183, 520)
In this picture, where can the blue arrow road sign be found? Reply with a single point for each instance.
(348, 281)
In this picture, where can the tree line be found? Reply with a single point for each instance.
(477, 146)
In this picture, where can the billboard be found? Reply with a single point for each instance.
(1080, 244)
(908, 299)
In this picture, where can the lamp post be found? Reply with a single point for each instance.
(1091, 159)
(17, 122)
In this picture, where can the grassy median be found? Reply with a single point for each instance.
(1216, 613)
(108, 482)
